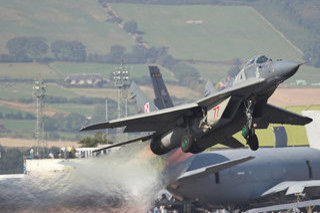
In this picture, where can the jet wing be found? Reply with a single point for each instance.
(273, 114)
(142, 139)
(165, 119)
(205, 171)
(242, 89)
(157, 121)
(292, 187)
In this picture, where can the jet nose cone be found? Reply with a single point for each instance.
(285, 69)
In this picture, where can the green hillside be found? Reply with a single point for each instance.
(199, 32)
(60, 70)
(222, 32)
(84, 21)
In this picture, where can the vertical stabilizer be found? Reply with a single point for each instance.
(162, 98)
(143, 104)
(280, 135)
(209, 89)
(313, 128)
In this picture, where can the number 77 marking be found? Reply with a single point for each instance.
(216, 112)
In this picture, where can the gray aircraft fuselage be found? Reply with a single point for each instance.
(243, 184)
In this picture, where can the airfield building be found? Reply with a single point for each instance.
(84, 80)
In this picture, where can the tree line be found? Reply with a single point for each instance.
(61, 100)
(28, 49)
(11, 160)
(17, 116)
(93, 141)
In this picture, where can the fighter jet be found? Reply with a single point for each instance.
(215, 118)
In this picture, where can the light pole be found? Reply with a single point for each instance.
(39, 91)
(121, 77)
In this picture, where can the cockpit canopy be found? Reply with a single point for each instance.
(251, 71)
(258, 60)
(261, 59)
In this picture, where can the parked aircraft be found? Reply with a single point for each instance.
(215, 118)
(241, 179)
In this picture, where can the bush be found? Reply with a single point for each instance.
(130, 27)
(98, 138)
(11, 161)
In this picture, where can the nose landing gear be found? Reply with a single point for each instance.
(251, 137)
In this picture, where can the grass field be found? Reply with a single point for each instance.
(294, 30)
(15, 91)
(223, 32)
(86, 110)
(22, 125)
(106, 70)
(12, 95)
(60, 70)
(26, 71)
(5, 110)
(212, 72)
(67, 20)
(60, 91)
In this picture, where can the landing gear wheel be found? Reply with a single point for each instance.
(195, 149)
(253, 142)
(186, 143)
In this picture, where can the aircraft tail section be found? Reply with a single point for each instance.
(162, 97)
(281, 138)
(313, 128)
(143, 104)
(209, 89)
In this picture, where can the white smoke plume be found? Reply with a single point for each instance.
(122, 181)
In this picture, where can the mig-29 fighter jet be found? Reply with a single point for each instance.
(215, 118)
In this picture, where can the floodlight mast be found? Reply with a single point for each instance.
(121, 79)
(39, 91)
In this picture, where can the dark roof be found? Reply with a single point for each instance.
(84, 76)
